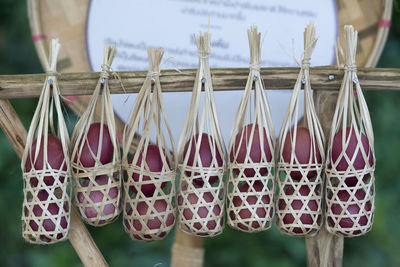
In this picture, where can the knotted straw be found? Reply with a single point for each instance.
(46, 190)
(250, 199)
(97, 189)
(201, 203)
(149, 217)
(299, 201)
(350, 205)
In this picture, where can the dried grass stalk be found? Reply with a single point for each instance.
(351, 160)
(251, 153)
(201, 190)
(300, 157)
(46, 207)
(149, 202)
(97, 188)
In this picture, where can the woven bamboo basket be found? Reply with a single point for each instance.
(66, 20)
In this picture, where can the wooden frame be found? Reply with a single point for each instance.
(24, 86)
(326, 82)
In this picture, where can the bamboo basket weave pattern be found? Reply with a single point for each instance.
(149, 202)
(201, 190)
(96, 169)
(47, 205)
(251, 154)
(301, 157)
(351, 160)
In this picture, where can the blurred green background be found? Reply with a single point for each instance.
(380, 247)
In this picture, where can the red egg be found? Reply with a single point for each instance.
(245, 213)
(353, 180)
(91, 145)
(351, 145)
(155, 164)
(97, 197)
(302, 151)
(154, 223)
(242, 144)
(47, 224)
(297, 204)
(152, 219)
(55, 157)
(202, 211)
(205, 154)
(353, 209)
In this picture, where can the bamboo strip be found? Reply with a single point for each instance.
(381, 35)
(33, 7)
(30, 85)
(79, 235)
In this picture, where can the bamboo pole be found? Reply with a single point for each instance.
(78, 235)
(325, 249)
(187, 250)
(73, 84)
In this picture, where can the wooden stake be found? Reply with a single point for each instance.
(187, 250)
(325, 249)
(79, 235)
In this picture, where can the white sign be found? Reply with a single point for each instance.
(135, 25)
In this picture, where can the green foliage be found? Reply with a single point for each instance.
(378, 248)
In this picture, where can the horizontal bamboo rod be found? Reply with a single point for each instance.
(322, 78)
